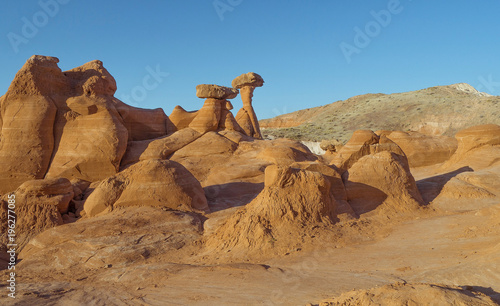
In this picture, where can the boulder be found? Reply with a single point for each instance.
(148, 183)
(248, 79)
(382, 183)
(205, 91)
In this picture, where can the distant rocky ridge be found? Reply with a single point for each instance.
(440, 110)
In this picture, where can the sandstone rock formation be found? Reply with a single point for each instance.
(478, 148)
(422, 150)
(382, 181)
(246, 117)
(332, 145)
(143, 123)
(28, 113)
(148, 183)
(215, 113)
(363, 142)
(227, 120)
(39, 204)
(57, 192)
(158, 148)
(204, 154)
(91, 137)
(208, 117)
(181, 118)
(337, 189)
(68, 124)
(292, 203)
(285, 155)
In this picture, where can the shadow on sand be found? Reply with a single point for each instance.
(431, 187)
(230, 195)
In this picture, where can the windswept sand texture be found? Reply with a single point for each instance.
(132, 207)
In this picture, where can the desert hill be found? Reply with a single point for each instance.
(440, 110)
(116, 205)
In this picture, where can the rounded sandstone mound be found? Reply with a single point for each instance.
(412, 294)
(382, 183)
(148, 183)
(293, 205)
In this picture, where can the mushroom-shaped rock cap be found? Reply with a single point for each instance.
(248, 79)
(205, 91)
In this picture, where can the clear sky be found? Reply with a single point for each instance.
(309, 53)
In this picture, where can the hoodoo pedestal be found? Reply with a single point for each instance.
(246, 116)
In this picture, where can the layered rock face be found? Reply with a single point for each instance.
(423, 150)
(69, 148)
(246, 116)
(28, 113)
(478, 148)
(67, 124)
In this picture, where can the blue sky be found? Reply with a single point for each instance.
(295, 46)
